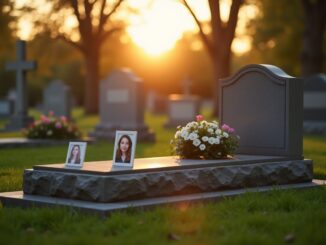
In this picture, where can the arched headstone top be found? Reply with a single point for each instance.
(122, 75)
(275, 74)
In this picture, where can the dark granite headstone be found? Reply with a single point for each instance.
(265, 106)
(57, 98)
(20, 119)
(122, 104)
(314, 112)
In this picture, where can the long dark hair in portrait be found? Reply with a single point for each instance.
(77, 157)
(119, 152)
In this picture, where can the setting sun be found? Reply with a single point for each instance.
(159, 27)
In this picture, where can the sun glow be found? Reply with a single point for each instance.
(158, 28)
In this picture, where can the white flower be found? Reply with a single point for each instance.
(217, 140)
(193, 136)
(210, 130)
(225, 134)
(211, 140)
(196, 142)
(202, 147)
(49, 132)
(184, 134)
(204, 138)
(177, 134)
(218, 131)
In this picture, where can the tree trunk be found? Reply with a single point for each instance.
(221, 69)
(92, 81)
(313, 37)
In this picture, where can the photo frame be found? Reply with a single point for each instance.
(76, 154)
(124, 148)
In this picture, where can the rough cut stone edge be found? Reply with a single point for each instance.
(24, 142)
(19, 199)
(105, 189)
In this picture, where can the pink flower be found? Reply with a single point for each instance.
(199, 118)
(58, 125)
(63, 119)
(51, 113)
(225, 127)
(231, 130)
(45, 119)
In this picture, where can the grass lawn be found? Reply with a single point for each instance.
(277, 217)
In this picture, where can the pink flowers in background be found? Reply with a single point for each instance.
(51, 127)
(199, 118)
(228, 129)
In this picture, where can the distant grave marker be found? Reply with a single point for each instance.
(315, 104)
(122, 103)
(20, 119)
(57, 98)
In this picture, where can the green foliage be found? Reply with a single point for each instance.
(51, 127)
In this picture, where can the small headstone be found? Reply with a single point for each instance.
(182, 108)
(314, 99)
(122, 105)
(57, 98)
(6, 108)
(265, 106)
(20, 119)
(156, 103)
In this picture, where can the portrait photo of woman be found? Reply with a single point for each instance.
(76, 154)
(74, 157)
(124, 148)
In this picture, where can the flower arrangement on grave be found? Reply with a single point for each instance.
(51, 127)
(204, 140)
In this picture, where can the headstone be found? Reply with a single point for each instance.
(156, 103)
(314, 104)
(265, 106)
(6, 108)
(20, 119)
(57, 98)
(122, 105)
(182, 108)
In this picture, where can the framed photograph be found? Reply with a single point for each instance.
(124, 148)
(76, 154)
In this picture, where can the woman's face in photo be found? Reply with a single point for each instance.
(124, 144)
(75, 151)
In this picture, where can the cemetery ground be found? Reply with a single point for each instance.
(276, 217)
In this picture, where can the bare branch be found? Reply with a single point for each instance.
(233, 19)
(203, 36)
(72, 43)
(105, 17)
(108, 33)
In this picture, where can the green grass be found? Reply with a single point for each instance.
(254, 218)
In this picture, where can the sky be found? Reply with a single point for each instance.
(160, 23)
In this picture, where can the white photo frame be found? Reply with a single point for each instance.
(76, 160)
(119, 158)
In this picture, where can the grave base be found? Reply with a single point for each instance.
(163, 176)
(19, 199)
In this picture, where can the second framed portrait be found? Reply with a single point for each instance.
(76, 154)
(124, 148)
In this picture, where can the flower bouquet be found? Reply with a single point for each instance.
(51, 127)
(205, 140)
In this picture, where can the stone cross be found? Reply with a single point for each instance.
(20, 66)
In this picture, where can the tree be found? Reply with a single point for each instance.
(312, 54)
(218, 42)
(94, 26)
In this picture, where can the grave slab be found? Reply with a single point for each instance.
(19, 199)
(163, 176)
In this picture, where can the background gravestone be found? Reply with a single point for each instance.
(265, 106)
(6, 108)
(314, 105)
(57, 98)
(156, 103)
(122, 104)
(182, 108)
